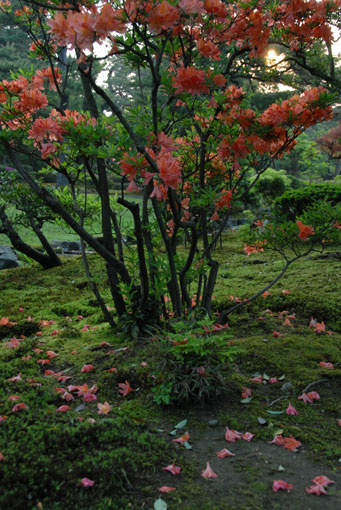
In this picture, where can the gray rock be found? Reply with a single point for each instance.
(213, 423)
(8, 258)
(66, 246)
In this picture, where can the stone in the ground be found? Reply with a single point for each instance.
(66, 246)
(213, 423)
(8, 258)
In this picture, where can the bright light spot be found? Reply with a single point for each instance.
(271, 55)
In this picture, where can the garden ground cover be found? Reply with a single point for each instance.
(48, 454)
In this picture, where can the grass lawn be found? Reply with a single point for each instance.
(55, 348)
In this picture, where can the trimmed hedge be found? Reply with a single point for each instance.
(293, 203)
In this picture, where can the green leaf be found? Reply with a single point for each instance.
(181, 424)
(160, 504)
(275, 412)
(173, 432)
(246, 400)
(187, 445)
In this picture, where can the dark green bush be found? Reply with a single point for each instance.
(293, 203)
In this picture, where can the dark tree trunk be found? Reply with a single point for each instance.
(45, 260)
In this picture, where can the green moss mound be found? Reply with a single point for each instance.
(46, 461)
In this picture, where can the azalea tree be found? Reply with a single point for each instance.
(331, 142)
(186, 147)
(314, 230)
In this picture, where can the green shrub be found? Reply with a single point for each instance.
(194, 364)
(293, 203)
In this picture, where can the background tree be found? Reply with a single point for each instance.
(190, 146)
(30, 213)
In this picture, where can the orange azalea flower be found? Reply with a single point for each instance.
(225, 200)
(192, 6)
(4, 321)
(43, 361)
(189, 79)
(290, 443)
(87, 368)
(320, 327)
(104, 408)
(182, 439)
(208, 49)
(304, 230)
(246, 392)
(215, 216)
(51, 354)
(19, 407)
(163, 17)
(169, 168)
(125, 388)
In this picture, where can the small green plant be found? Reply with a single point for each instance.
(163, 393)
(194, 364)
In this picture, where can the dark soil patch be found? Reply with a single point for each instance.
(245, 481)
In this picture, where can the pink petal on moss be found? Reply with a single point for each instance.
(86, 482)
(322, 480)
(89, 397)
(232, 435)
(247, 436)
(87, 368)
(316, 489)
(291, 410)
(165, 488)
(63, 409)
(208, 473)
(225, 453)
(172, 468)
(281, 485)
(326, 365)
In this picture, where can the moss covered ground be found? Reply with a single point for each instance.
(54, 329)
